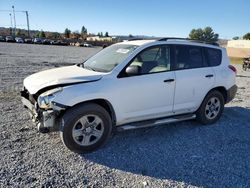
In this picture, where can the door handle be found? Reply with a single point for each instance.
(169, 80)
(209, 76)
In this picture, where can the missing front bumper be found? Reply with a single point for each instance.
(31, 109)
(45, 120)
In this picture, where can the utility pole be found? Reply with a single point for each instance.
(14, 20)
(11, 26)
(28, 23)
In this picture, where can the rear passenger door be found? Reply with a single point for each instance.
(194, 78)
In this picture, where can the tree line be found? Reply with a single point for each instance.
(245, 37)
(84, 34)
(69, 34)
(207, 34)
(203, 34)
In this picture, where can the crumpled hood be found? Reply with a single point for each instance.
(57, 76)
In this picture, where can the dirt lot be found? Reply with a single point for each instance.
(177, 155)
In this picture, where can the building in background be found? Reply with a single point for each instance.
(239, 44)
(97, 38)
(238, 48)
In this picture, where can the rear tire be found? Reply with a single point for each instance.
(85, 128)
(211, 108)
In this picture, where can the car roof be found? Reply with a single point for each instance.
(138, 42)
(171, 41)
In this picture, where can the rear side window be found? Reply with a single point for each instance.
(188, 57)
(213, 56)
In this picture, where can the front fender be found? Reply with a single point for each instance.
(78, 93)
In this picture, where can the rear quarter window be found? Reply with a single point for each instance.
(213, 56)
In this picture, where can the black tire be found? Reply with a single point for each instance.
(73, 115)
(202, 114)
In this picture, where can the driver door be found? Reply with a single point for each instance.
(150, 93)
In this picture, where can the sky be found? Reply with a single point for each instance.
(160, 18)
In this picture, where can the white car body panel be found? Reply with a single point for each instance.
(144, 97)
(141, 97)
(119, 93)
(224, 76)
(63, 75)
(190, 90)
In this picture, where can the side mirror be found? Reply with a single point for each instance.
(133, 70)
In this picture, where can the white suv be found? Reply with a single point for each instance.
(131, 85)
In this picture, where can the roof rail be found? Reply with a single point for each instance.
(132, 39)
(145, 38)
(192, 40)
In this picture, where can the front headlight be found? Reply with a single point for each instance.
(45, 99)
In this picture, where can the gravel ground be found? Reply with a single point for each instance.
(176, 155)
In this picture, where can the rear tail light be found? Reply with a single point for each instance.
(233, 68)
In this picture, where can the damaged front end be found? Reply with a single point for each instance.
(45, 113)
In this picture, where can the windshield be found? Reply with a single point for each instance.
(108, 58)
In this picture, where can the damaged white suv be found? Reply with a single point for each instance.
(131, 85)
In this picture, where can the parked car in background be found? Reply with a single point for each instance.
(87, 45)
(10, 39)
(19, 40)
(46, 41)
(59, 43)
(37, 41)
(83, 44)
(131, 85)
(28, 40)
(77, 44)
(2, 39)
(52, 42)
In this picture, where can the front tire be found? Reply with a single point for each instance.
(211, 108)
(85, 128)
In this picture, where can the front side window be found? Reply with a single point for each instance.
(153, 59)
(107, 59)
(188, 57)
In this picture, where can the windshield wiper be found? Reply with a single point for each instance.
(89, 68)
(94, 69)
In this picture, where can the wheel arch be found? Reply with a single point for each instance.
(103, 103)
(222, 90)
(200, 112)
